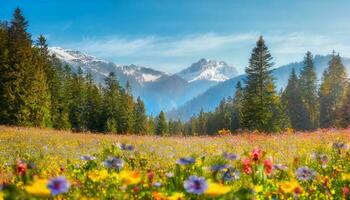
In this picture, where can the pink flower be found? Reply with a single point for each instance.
(268, 166)
(21, 168)
(247, 166)
(346, 191)
(256, 154)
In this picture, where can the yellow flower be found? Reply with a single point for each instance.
(345, 177)
(258, 188)
(97, 175)
(38, 188)
(1, 196)
(289, 187)
(130, 177)
(216, 189)
(176, 196)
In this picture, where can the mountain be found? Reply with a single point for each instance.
(211, 98)
(159, 90)
(208, 70)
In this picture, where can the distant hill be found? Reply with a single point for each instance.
(211, 98)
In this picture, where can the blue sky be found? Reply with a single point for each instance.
(170, 35)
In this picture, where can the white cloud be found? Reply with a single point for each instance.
(168, 53)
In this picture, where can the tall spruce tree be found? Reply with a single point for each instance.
(344, 112)
(262, 109)
(93, 105)
(293, 102)
(308, 88)
(4, 69)
(111, 103)
(162, 126)
(332, 92)
(140, 126)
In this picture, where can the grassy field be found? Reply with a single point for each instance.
(97, 166)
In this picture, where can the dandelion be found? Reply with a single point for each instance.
(195, 185)
(186, 161)
(58, 185)
(114, 163)
(216, 189)
(305, 173)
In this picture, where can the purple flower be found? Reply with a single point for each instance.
(219, 167)
(126, 147)
(114, 163)
(58, 185)
(305, 174)
(195, 185)
(88, 158)
(231, 174)
(157, 184)
(230, 156)
(340, 145)
(280, 167)
(186, 161)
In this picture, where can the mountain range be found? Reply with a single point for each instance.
(202, 85)
(159, 90)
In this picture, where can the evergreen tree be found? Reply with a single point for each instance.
(344, 112)
(93, 105)
(332, 92)
(308, 88)
(4, 76)
(262, 109)
(202, 123)
(236, 122)
(292, 99)
(111, 103)
(140, 126)
(161, 128)
(151, 125)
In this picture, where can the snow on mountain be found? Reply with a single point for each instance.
(101, 68)
(209, 70)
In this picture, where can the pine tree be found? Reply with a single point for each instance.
(236, 122)
(262, 109)
(308, 87)
(344, 111)
(292, 99)
(93, 105)
(16, 74)
(202, 123)
(140, 126)
(332, 92)
(4, 68)
(111, 104)
(161, 128)
(151, 125)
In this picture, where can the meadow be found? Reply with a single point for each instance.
(49, 164)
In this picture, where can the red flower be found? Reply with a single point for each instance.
(21, 168)
(247, 166)
(256, 154)
(268, 166)
(150, 175)
(346, 191)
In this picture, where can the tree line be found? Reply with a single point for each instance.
(37, 90)
(303, 105)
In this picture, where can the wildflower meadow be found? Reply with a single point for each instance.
(47, 164)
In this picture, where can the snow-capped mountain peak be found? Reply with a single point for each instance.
(73, 56)
(210, 70)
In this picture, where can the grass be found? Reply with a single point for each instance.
(56, 151)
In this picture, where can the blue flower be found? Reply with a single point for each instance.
(58, 185)
(114, 163)
(195, 185)
(186, 161)
(219, 167)
(305, 174)
(126, 147)
(231, 174)
(340, 145)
